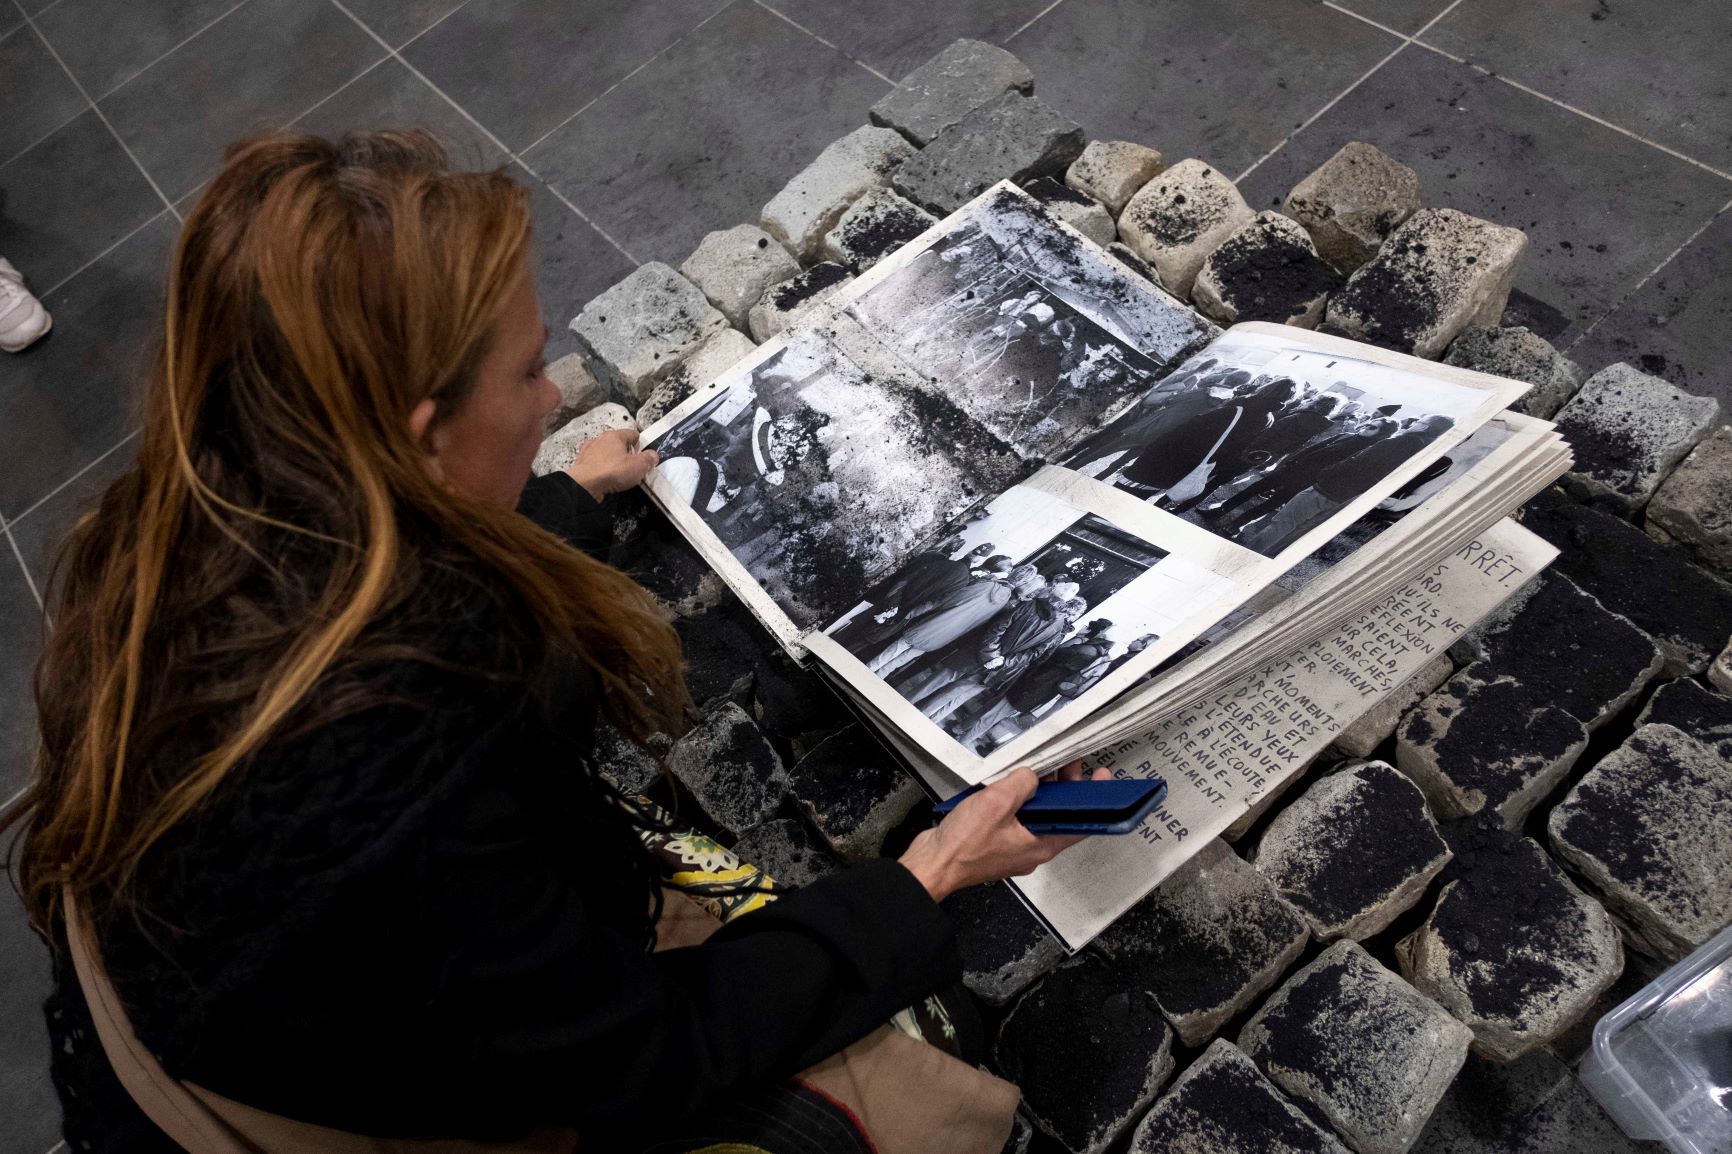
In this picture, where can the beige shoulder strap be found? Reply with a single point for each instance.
(207, 1123)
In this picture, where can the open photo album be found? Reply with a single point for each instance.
(1020, 505)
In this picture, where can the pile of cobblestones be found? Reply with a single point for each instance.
(1405, 950)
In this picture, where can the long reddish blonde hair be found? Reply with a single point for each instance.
(280, 530)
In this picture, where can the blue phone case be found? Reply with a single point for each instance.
(1087, 807)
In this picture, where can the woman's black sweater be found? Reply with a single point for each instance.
(418, 921)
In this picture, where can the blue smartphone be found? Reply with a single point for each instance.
(1092, 807)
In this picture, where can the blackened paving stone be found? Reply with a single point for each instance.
(657, 556)
(28, 1103)
(735, 775)
(874, 226)
(1177, 219)
(1354, 1043)
(521, 67)
(706, 133)
(1693, 506)
(1496, 152)
(1629, 431)
(1567, 646)
(814, 199)
(720, 352)
(38, 95)
(1534, 1105)
(786, 851)
(1013, 138)
(1266, 271)
(71, 397)
(629, 766)
(782, 305)
(1679, 324)
(1226, 82)
(853, 792)
(1222, 1104)
(1679, 604)
(1650, 827)
(1208, 941)
(256, 69)
(1488, 745)
(1522, 355)
(1511, 948)
(1005, 948)
(68, 199)
(1076, 209)
(1658, 68)
(1354, 851)
(1089, 1049)
(1702, 713)
(938, 94)
(898, 36)
(1378, 723)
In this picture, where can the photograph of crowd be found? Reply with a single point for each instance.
(816, 476)
(982, 328)
(1260, 446)
(1026, 606)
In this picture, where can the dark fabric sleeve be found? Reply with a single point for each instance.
(568, 1020)
(563, 507)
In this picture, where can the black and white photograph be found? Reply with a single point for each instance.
(1018, 610)
(1260, 444)
(818, 477)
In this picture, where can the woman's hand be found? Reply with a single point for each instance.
(610, 462)
(981, 840)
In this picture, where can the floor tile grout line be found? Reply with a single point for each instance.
(591, 102)
(45, 135)
(67, 279)
(454, 11)
(1652, 273)
(487, 132)
(29, 578)
(149, 179)
(783, 16)
(1364, 19)
(1032, 21)
(56, 1148)
(226, 13)
(1567, 107)
(1343, 94)
(4, 806)
(54, 492)
(338, 91)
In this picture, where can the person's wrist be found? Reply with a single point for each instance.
(928, 865)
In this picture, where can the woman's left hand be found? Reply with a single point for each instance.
(611, 462)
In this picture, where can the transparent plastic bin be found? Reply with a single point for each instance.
(1661, 1063)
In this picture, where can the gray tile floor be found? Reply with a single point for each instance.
(1603, 127)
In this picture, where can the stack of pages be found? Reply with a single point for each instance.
(1022, 507)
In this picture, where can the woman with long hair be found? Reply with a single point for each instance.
(318, 833)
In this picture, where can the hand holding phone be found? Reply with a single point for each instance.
(1081, 807)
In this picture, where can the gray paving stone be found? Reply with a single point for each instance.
(1533, 1105)
(1512, 949)
(1352, 203)
(1012, 138)
(1243, 824)
(636, 332)
(1720, 673)
(1679, 604)
(1353, 852)
(782, 305)
(560, 447)
(1222, 1104)
(1178, 218)
(1521, 355)
(715, 356)
(783, 848)
(1111, 171)
(732, 268)
(874, 226)
(1686, 705)
(1629, 430)
(944, 90)
(1079, 210)
(1437, 274)
(1378, 723)
(853, 792)
(809, 205)
(733, 773)
(1208, 941)
(1090, 1051)
(1360, 1046)
(1268, 270)
(1650, 827)
(1693, 506)
(579, 391)
(1005, 949)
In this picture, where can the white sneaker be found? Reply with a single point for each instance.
(23, 320)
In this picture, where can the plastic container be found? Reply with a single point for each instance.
(1661, 1063)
